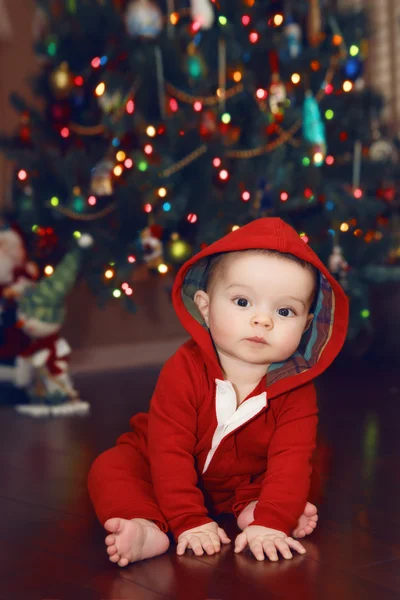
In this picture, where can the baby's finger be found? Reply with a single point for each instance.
(283, 548)
(295, 545)
(258, 548)
(181, 547)
(210, 542)
(222, 536)
(196, 545)
(240, 542)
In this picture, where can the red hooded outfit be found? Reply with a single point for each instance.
(195, 452)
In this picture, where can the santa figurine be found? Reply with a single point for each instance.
(16, 275)
(16, 272)
(41, 314)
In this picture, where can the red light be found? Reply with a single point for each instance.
(92, 200)
(196, 26)
(261, 94)
(329, 160)
(246, 196)
(192, 218)
(22, 175)
(78, 80)
(148, 149)
(173, 105)
(64, 132)
(357, 193)
(343, 136)
(223, 174)
(197, 106)
(308, 193)
(328, 88)
(147, 208)
(246, 20)
(130, 107)
(253, 37)
(284, 196)
(128, 163)
(217, 162)
(305, 238)
(96, 62)
(129, 291)
(131, 259)
(125, 286)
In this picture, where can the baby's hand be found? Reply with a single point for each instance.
(264, 540)
(206, 537)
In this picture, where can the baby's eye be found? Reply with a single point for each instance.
(242, 302)
(286, 312)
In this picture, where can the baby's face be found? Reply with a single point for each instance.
(257, 307)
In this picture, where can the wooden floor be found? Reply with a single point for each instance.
(52, 547)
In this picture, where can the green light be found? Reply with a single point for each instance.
(77, 234)
(365, 313)
(226, 118)
(52, 49)
(54, 201)
(142, 166)
(305, 161)
(354, 50)
(112, 263)
(117, 293)
(223, 20)
(329, 114)
(35, 228)
(78, 204)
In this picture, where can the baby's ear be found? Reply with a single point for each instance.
(202, 300)
(309, 321)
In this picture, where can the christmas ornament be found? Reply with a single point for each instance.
(143, 18)
(293, 34)
(110, 101)
(313, 128)
(61, 81)
(208, 124)
(101, 182)
(41, 313)
(338, 266)
(277, 93)
(152, 248)
(314, 23)
(202, 13)
(382, 150)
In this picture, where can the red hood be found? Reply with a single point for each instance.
(320, 344)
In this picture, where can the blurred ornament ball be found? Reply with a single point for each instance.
(143, 18)
(61, 80)
(179, 250)
(101, 182)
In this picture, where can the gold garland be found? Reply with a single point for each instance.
(87, 130)
(206, 100)
(99, 215)
(184, 161)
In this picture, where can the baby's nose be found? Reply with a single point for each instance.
(262, 319)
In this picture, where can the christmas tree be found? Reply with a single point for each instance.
(166, 125)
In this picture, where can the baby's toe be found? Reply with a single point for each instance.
(110, 540)
(312, 524)
(112, 550)
(299, 533)
(115, 558)
(308, 529)
(123, 562)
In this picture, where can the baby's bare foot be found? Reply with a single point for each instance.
(307, 522)
(134, 540)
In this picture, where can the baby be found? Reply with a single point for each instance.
(233, 419)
